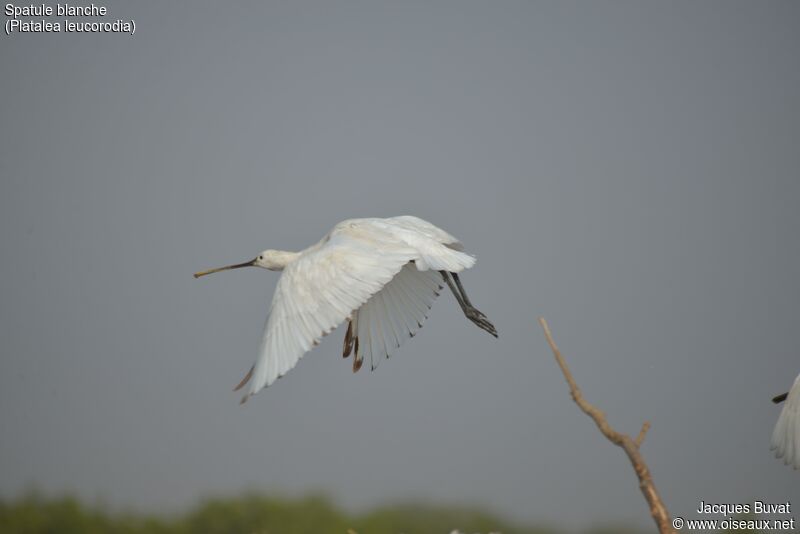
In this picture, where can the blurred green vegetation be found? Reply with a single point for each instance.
(254, 514)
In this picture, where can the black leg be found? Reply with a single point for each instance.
(456, 294)
(461, 289)
(472, 313)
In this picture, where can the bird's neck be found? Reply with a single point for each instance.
(282, 258)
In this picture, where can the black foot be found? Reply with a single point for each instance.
(480, 320)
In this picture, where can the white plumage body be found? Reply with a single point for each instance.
(381, 275)
(786, 435)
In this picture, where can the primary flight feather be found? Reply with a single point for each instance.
(381, 275)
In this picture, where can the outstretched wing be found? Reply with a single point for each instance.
(317, 292)
(786, 436)
(393, 314)
(332, 279)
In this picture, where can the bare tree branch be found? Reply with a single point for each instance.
(631, 447)
(642, 433)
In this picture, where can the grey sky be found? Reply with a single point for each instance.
(627, 169)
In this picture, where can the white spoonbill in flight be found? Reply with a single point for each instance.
(786, 436)
(381, 275)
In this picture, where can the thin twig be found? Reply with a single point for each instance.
(642, 433)
(631, 447)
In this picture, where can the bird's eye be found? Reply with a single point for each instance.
(261, 257)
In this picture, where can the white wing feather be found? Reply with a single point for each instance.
(395, 313)
(337, 276)
(786, 436)
(415, 224)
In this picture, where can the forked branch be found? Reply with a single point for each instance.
(631, 446)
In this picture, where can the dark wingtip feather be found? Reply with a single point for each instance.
(246, 379)
(348, 340)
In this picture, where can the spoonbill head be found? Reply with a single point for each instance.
(272, 260)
